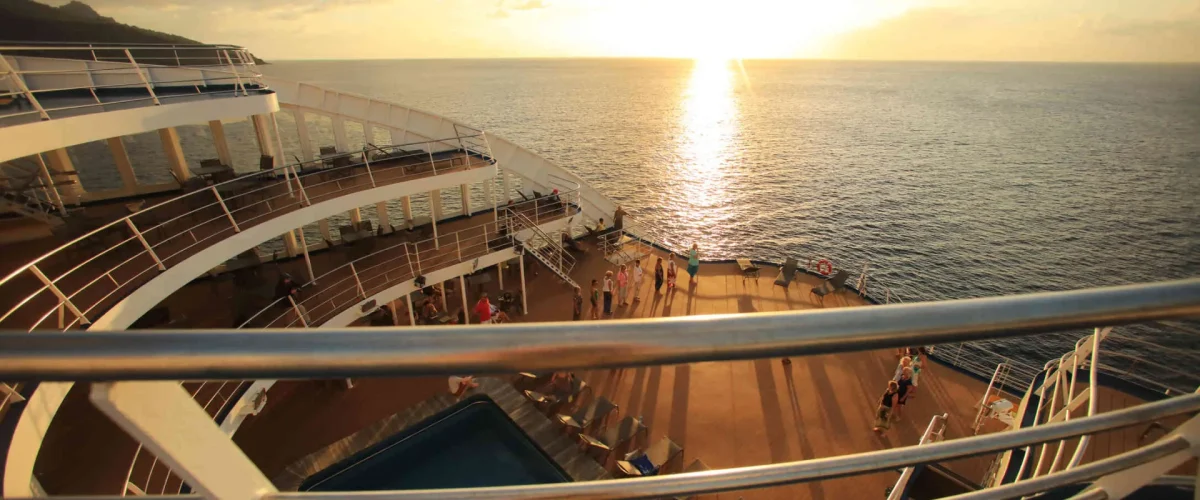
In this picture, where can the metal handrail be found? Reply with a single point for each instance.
(290, 178)
(208, 354)
(832, 467)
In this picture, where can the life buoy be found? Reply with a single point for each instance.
(824, 267)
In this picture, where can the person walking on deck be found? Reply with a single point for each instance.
(658, 276)
(595, 301)
(905, 387)
(608, 292)
(577, 305)
(917, 365)
(637, 280)
(693, 267)
(483, 309)
(883, 414)
(905, 362)
(672, 272)
(622, 286)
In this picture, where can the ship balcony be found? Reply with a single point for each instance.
(173, 242)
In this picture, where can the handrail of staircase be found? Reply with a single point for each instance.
(290, 176)
(566, 262)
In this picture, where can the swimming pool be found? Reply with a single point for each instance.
(472, 443)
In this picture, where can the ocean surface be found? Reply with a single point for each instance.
(950, 180)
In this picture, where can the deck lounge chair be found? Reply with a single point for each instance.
(831, 285)
(787, 273)
(651, 461)
(551, 399)
(583, 418)
(614, 437)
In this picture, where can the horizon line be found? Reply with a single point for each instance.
(672, 58)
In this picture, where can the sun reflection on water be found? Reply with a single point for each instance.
(706, 148)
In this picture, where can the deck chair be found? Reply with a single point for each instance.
(615, 437)
(586, 417)
(831, 285)
(550, 400)
(650, 461)
(787, 273)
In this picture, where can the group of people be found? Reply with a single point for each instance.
(627, 278)
(900, 388)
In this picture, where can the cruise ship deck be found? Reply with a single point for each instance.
(726, 414)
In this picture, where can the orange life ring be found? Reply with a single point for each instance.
(824, 267)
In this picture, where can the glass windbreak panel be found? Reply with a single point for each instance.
(382, 136)
(197, 143)
(355, 136)
(95, 164)
(243, 146)
(289, 136)
(320, 131)
(149, 161)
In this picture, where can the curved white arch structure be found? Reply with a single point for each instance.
(413, 125)
(405, 124)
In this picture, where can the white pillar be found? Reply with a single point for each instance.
(222, 145)
(412, 319)
(306, 149)
(395, 315)
(355, 215)
(443, 290)
(462, 283)
(500, 275)
(174, 152)
(168, 422)
(406, 206)
(57, 160)
(339, 134)
(124, 167)
(289, 244)
(385, 221)
(524, 300)
(465, 191)
(262, 133)
(323, 227)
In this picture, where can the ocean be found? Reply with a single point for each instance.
(950, 180)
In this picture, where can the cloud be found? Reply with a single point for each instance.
(504, 8)
(1014, 34)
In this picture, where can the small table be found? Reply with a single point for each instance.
(357, 235)
(210, 171)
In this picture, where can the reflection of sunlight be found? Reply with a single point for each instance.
(705, 148)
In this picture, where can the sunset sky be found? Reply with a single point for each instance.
(1032, 30)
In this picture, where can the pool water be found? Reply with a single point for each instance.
(472, 443)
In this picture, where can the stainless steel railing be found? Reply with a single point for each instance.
(193, 354)
(81, 278)
(33, 73)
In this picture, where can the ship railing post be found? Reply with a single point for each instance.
(300, 315)
(462, 285)
(176, 51)
(304, 248)
(408, 257)
(300, 186)
(236, 77)
(417, 254)
(228, 214)
(367, 162)
(432, 164)
(279, 159)
(62, 298)
(149, 249)
(524, 300)
(10, 395)
(458, 246)
(145, 81)
(357, 282)
(24, 88)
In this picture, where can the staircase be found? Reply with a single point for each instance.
(632, 242)
(546, 248)
(25, 192)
